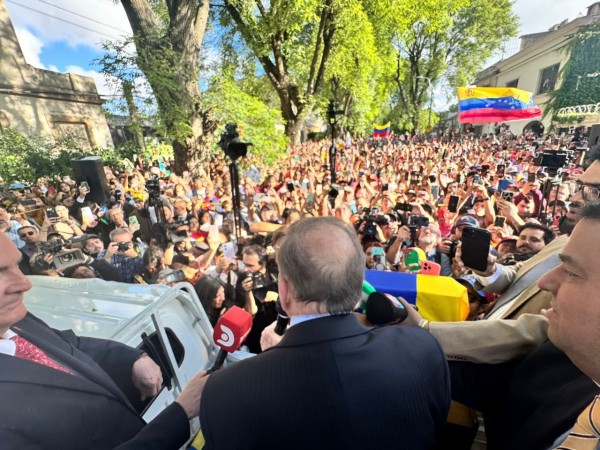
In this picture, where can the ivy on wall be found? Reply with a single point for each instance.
(581, 74)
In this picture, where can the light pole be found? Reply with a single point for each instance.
(430, 97)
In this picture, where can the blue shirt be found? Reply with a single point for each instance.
(128, 267)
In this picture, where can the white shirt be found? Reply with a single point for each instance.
(8, 347)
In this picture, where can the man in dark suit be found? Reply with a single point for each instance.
(61, 391)
(331, 383)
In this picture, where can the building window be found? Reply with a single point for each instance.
(513, 83)
(548, 78)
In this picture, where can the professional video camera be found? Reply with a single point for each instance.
(50, 247)
(61, 259)
(371, 217)
(230, 142)
(553, 160)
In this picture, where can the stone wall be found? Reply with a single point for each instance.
(46, 103)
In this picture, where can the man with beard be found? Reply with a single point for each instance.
(429, 237)
(532, 238)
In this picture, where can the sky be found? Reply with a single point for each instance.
(66, 35)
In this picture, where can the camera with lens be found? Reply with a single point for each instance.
(68, 258)
(416, 221)
(258, 280)
(371, 217)
(123, 246)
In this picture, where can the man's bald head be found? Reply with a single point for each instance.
(322, 260)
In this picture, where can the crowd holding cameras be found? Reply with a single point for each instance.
(409, 198)
(493, 212)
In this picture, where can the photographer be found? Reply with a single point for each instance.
(257, 292)
(122, 255)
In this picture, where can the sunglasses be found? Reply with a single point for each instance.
(29, 233)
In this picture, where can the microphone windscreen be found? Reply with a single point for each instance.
(381, 310)
(232, 328)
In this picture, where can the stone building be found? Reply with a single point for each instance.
(46, 103)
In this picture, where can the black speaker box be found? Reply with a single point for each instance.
(594, 136)
(91, 169)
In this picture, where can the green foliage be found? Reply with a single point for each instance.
(260, 124)
(31, 157)
(580, 74)
(444, 40)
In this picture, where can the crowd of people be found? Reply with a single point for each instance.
(411, 204)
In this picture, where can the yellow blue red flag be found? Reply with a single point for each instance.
(495, 104)
(381, 130)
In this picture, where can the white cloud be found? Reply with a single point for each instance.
(45, 24)
(31, 46)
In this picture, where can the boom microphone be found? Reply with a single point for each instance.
(282, 320)
(382, 309)
(229, 333)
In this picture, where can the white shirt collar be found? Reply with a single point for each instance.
(8, 347)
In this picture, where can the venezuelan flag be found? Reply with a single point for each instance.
(381, 130)
(489, 105)
(440, 299)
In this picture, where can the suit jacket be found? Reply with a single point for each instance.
(531, 299)
(44, 408)
(527, 404)
(331, 383)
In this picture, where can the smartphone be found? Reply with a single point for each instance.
(508, 196)
(85, 185)
(87, 214)
(175, 276)
(485, 168)
(132, 219)
(384, 187)
(52, 214)
(228, 250)
(319, 189)
(290, 187)
(430, 268)
(475, 248)
(411, 260)
(378, 258)
(531, 177)
(500, 168)
(500, 221)
(503, 185)
(435, 191)
(453, 203)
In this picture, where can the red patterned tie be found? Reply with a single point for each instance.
(27, 350)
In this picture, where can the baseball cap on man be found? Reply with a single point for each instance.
(467, 221)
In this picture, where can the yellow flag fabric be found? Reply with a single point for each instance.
(441, 299)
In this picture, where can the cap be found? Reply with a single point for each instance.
(512, 169)
(411, 191)
(508, 239)
(469, 282)
(467, 221)
(90, 236)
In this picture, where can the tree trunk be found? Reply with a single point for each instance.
(169, 60)
(135, 127)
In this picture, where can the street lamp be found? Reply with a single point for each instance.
(430, 96)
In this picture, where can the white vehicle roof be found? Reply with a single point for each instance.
(93, 307)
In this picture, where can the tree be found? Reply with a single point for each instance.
(167, 36)
(440, 40)
(579, 76)
(293, 40)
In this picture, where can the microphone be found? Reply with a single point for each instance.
(282, 319)
(229, 333)
(382, 309)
